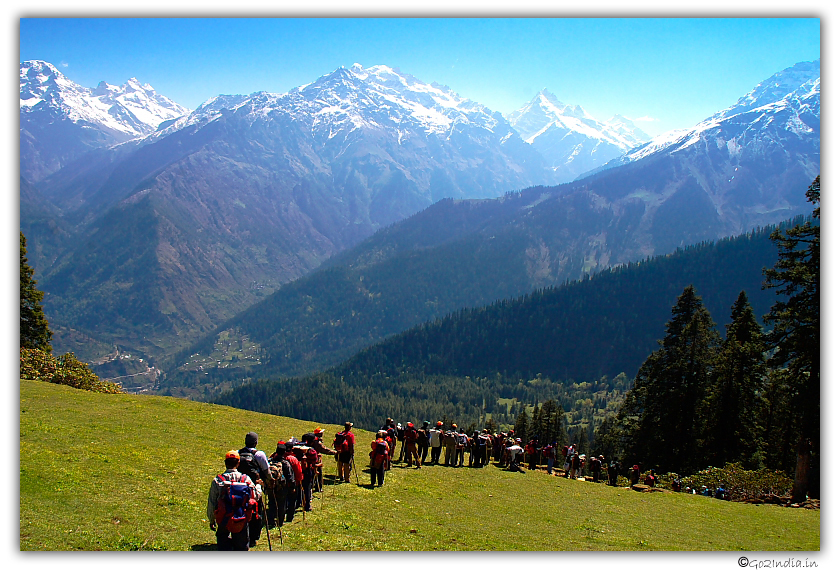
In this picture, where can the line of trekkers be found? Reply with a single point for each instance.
(236, 503)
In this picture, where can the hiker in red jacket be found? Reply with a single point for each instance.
(410, 442)
(345, 445)
(318, 445)
(380, 457)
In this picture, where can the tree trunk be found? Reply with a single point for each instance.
(800, 478)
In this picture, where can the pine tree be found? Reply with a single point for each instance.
(520, 428)
(660, 418)
(34, 328)
(731, 411)
(796, 337)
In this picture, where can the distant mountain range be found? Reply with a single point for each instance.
(151, 238)
(572, 141)
(60, 121)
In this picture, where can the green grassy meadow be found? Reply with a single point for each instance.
(122, 472)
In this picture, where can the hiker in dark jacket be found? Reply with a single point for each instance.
(595, 467)
(574, 470)
(462, 442)
(278, 495)
(612, 473)
(226, 540)
(254, 464)
(401, 440)
(293, 492)
(449, 443)
(423, 442)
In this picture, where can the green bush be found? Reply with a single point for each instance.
(740, 483)
(36, 364)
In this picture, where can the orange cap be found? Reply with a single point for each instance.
(232, 454)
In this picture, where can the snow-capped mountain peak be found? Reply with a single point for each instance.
(789, 100)
(377, 97)
(128, 111)
(572, 140)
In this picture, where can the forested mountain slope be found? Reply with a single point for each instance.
(532, 348)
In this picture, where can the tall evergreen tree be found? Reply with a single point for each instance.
(34, 328)
(731, 411)
(660, 417)
(520, 428)
(796, 337)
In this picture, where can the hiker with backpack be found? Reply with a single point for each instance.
(231, 504)
(318, 445)
(476, 450)
(449, 444)
(423, 442)
(436, 442)
(595, 465)
(569, 454)
(410, 444)
(293, 491)
(635, 475)
(401, 440)
(532, 449)
(514, 452)
(390, 436)
(549, 455)
(462, 442)
(345, 445)
(282, 478)
(612, 473)
(379, 459)
(254, 464)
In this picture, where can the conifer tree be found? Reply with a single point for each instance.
(796, 337)
(731, 410)
(520, 428)
(34, 328)
(660, 418)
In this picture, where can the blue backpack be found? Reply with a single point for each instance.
(236, 505)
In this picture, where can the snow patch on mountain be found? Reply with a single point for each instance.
(756, 110)
(133, 109)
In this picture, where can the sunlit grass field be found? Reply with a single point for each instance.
(120, 472)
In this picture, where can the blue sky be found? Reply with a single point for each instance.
(665, 73)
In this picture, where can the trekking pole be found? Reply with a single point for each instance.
(353, 463)
(265, 520)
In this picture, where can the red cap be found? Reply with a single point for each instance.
(410, 424)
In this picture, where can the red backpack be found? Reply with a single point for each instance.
(380, 454)
(237, 503)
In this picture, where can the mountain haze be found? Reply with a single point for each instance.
(466, 253)
(153, 242)
(248, 192)
(60, 120)
(570, 139)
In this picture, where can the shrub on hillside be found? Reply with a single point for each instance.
(740, 483)
(36, 364)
